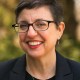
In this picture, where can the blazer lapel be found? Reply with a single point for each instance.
(63, 71)
(18, 72)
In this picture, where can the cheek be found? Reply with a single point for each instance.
(53, 33)
(22, 37)
(50, 34)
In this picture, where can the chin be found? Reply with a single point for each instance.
(35, 54)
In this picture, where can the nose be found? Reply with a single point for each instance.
(31, 33)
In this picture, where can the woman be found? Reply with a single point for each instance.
(40, 26)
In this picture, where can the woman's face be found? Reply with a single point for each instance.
(39, 43)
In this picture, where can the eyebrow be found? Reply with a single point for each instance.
(25, 21)
(39, 19)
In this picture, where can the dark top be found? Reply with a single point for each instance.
(29, 77)
(15, 69)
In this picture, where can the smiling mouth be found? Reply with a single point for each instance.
(34, 44)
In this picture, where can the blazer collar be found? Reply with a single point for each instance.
(63, 71)
(18, 71)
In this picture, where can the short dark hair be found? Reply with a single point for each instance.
(55, 8)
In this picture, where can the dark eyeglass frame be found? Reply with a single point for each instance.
(31, 24)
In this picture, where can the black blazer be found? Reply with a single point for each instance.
(15, 69)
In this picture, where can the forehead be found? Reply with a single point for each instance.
(35, 13)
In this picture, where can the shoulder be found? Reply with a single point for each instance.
(7, 64)
(74, 64)
(14, 65)
(5, 67)
(75, 68)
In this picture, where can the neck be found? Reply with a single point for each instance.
(38, 67)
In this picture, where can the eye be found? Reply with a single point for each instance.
(23, 26)
(40, 24)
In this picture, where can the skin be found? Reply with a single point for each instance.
(41, 60)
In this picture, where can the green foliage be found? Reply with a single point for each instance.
(69, 48)
(9, 48)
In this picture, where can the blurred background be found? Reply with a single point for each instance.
(69, 44)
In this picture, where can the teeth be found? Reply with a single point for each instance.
(34, 43)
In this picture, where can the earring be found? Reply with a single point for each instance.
(58, 41)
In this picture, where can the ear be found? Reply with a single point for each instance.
(60, 28)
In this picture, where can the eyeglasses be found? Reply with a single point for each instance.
(40, 25)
